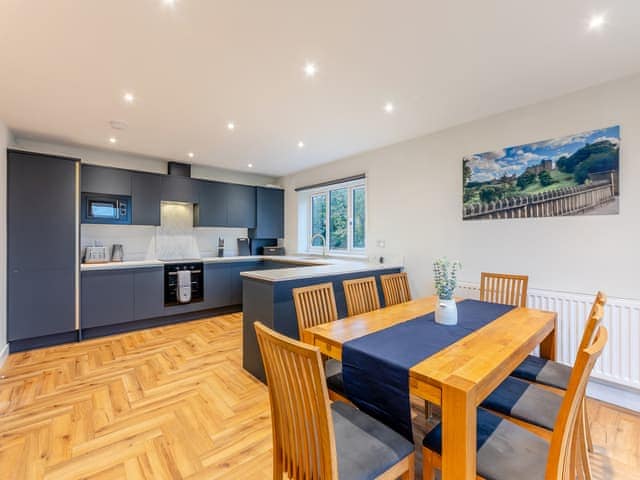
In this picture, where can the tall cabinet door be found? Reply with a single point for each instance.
(42, 250)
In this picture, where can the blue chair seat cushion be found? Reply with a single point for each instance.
(505, 450)
(541, 370)
(366, 448)
(333, 373)
(525, 401)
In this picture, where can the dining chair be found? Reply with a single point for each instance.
(315, 305)
(361, 295)
(506, 451)
(537, 408)
(504, 288)
(556, 375)
(313, 438)
(395, 288)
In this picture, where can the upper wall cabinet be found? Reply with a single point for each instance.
(179, 189)
(211, 210)
(113, 181)
(269, 213)
(241, 206)
(146, 193)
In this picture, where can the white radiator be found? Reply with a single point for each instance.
(620, 361)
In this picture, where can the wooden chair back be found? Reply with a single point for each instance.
(361, 295)
(303, 437)
(593, 321)
(315, 305)
(504, 288)
(564, 447)
(395, 288)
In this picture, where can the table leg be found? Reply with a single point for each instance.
(548, 345)
(459, 419)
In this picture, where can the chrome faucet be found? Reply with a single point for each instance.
(324, 243)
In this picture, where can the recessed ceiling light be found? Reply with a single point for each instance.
(190, 154)
(113, 139)
(169, 3)
(231, 126)
(388, 107)
(596, 22)
(250, 165)
(300, 144)
(310, 69)
(128, 97)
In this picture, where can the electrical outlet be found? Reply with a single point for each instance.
(381, 243)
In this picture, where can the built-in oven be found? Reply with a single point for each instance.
(111, 209)
(183, 283)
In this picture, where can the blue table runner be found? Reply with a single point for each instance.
(375, 368)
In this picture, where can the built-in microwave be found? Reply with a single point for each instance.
(106, 208)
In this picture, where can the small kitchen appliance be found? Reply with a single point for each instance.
(220, 247)
(96, 254)
(117, 252)
(244, 249)
(109, 209)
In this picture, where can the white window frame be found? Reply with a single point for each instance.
(326, 191)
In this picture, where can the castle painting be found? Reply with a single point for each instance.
(573, 175)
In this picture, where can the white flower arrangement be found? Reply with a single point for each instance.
(445, 276)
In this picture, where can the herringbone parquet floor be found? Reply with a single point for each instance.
(171, 403)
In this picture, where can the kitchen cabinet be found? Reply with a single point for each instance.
(179, 189)
(41, 244)
(148, 293)
(241, 206)
(217, 285)
(146, 193)
(107, 180)
(269, 213)
(211, 210)
(107, 297)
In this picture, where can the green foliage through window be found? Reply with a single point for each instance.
(318, 218)
(338, 219)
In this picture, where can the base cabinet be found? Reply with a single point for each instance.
(148, 293)
(106, 298)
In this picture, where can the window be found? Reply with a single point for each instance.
(338, 213)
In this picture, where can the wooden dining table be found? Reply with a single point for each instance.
(459, 377)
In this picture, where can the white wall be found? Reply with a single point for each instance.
(112, 158)
(415, 200)
(4, 142)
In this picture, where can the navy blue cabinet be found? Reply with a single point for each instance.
(236, 279)
(211, 210)
(146, 193)
(41, 244)
(106, 297)
(269, 213)
(113, 181)
(217, 285)
(148, 293)
(179, 189)
(241, 206)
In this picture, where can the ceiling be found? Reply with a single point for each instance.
(199, 64)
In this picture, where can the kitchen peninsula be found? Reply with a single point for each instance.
(267, 297)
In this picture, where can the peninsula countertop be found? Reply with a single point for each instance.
(325, 267)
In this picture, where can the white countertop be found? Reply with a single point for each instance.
(328, 267)
(307, 260)
(306, 266)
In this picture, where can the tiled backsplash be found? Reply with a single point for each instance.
(175, 239)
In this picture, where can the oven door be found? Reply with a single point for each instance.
(106, 209)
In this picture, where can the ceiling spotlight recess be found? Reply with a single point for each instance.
(250, 165)
(190, 155)
(231, 126)
(388, 107)
(310, 69)
(129, 97)
(113, 139)
(300, 144)
(597, 22)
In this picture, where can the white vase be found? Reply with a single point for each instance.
(446, 312)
